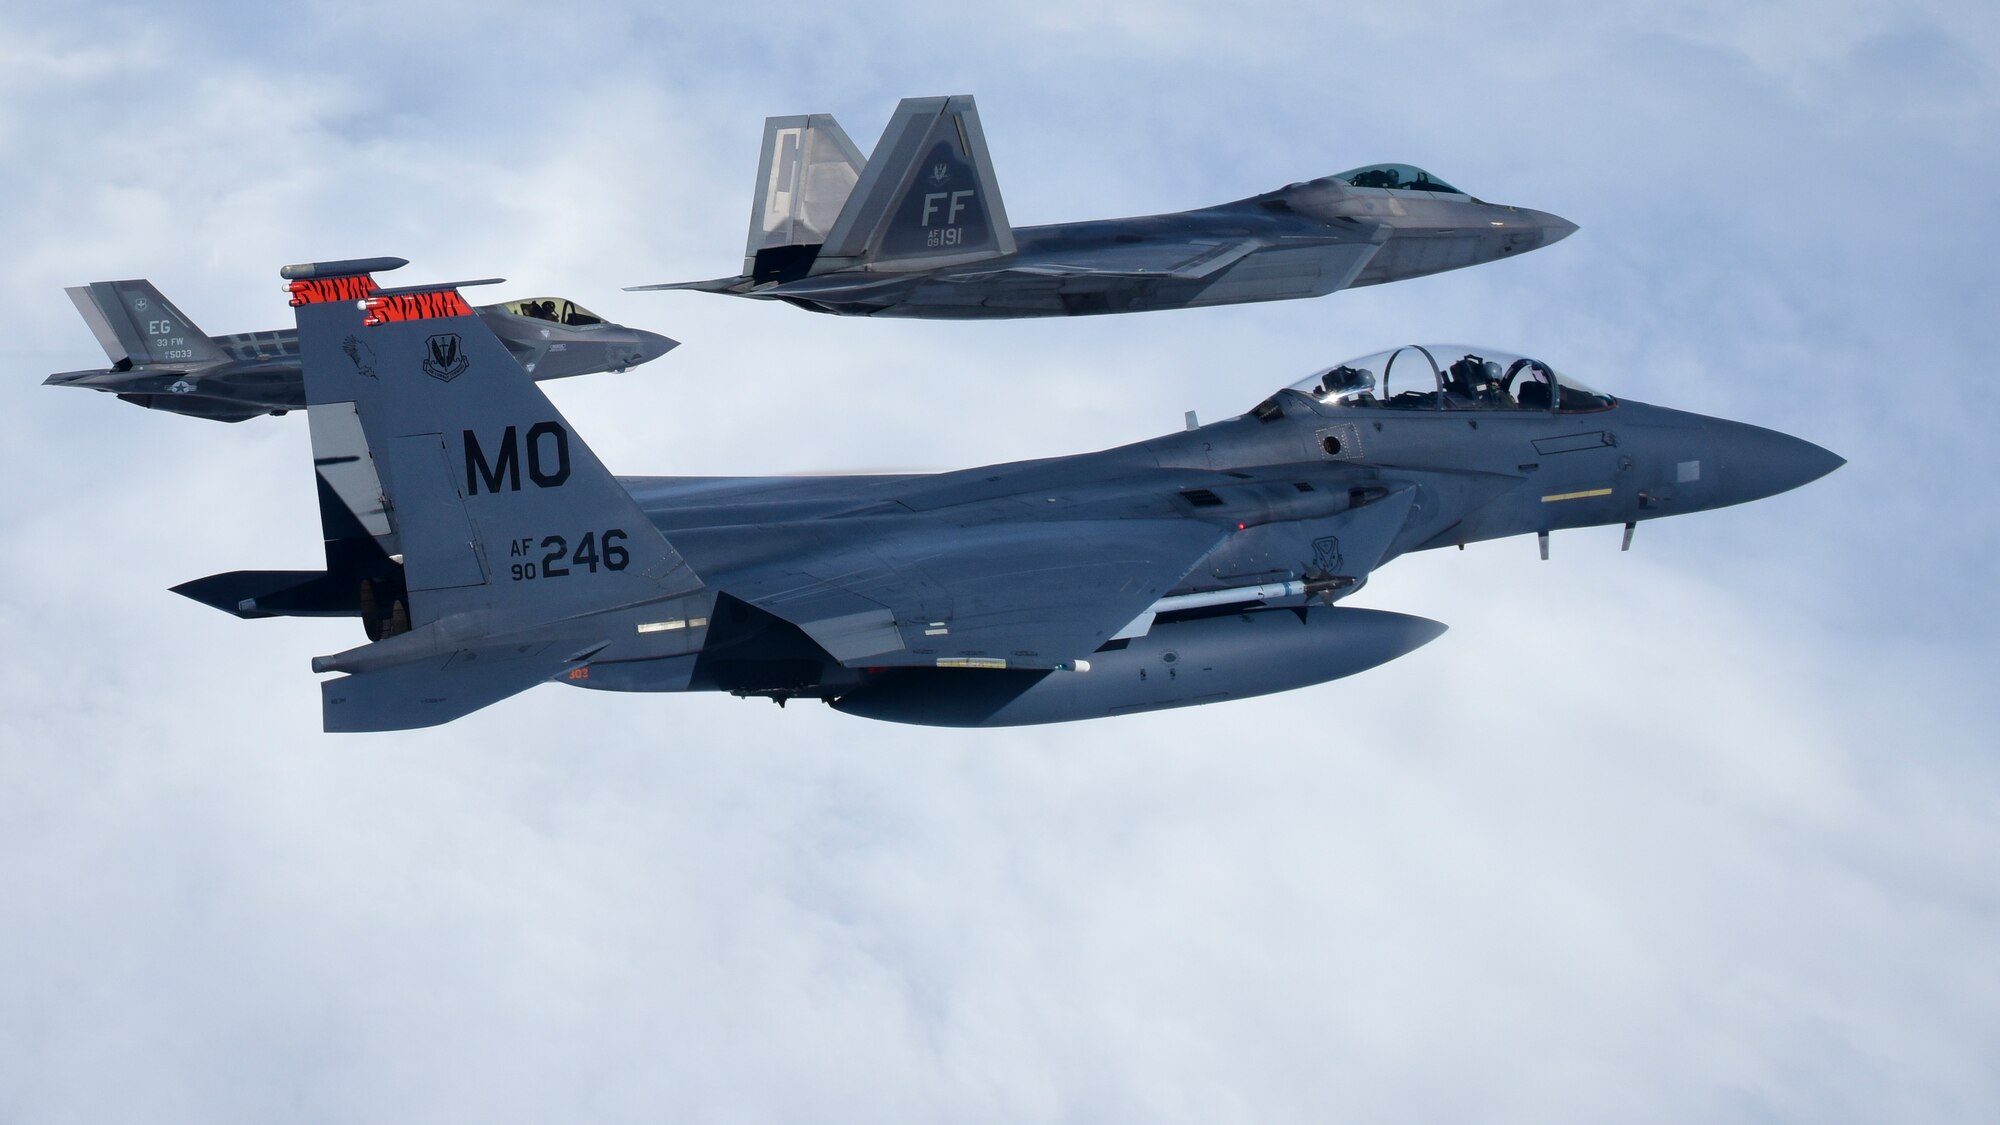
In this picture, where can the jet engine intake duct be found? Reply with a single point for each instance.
(1178, 664)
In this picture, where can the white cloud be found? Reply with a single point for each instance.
(1699, 831)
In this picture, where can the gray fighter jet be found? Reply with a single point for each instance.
(488, 550)
(919, 230)
(162, 361)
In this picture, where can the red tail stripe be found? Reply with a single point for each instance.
(416, 306)
(313, 291)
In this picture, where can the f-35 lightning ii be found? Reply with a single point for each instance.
(162, 361)
(488, 550)
(918, 230)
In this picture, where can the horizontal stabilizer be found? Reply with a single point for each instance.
(442, 686)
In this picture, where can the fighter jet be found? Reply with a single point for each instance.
(919, 230)
(162, 361)
(488, 550)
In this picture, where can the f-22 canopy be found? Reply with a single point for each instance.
(919, 230)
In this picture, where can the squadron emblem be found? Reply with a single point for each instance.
(447, 358)
(1326, 555)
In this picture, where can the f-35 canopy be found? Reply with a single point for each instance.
(1450, 377)
(558, 310)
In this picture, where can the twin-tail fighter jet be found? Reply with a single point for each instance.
(918, 230)
(162, 361)
(488, 550)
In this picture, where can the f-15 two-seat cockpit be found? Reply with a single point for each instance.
(1450, 377)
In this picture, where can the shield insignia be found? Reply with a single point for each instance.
(447, 357)
(1326, 555)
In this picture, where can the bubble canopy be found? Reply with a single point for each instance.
(557, 309)
(1396, 177)
(1450, 377)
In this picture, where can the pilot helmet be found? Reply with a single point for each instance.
(1347, 380)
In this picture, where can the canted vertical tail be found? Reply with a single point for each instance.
(927, 196)
(805, 176)
(137, 325)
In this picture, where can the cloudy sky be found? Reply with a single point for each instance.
(1705, 831)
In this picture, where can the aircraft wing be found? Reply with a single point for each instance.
(1157, 261)
(713, 285)
(1019, 595)
(1184, 261)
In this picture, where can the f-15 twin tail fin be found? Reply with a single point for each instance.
(512, 532)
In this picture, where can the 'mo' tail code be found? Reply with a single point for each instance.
(312, 291)
(415, 306)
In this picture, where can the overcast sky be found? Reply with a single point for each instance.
(1706, 831)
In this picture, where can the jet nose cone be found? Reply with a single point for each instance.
(1752, 462)
(1546, 228)
(1555, 228)
(651, 346)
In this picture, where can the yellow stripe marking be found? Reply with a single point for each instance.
(1576, 495)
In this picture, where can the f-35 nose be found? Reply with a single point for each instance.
(1752, 462)
(649, 347)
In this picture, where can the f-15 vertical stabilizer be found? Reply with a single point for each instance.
(927, 197)
(512, 532)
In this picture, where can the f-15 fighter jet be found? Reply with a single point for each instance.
(918, 230)
(487, 549)
(162, 361)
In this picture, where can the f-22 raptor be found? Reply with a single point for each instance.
(163, 362)
(918, 230)
(488, 550)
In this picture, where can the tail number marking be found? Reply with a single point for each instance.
(548, 460)
(595, 550)
(951, 203)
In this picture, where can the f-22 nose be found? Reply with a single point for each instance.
(1555, 228)
(1752, 462)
